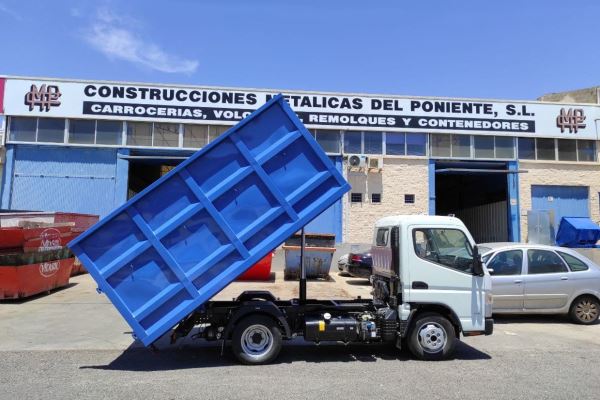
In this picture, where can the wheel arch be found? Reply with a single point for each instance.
(264, 308)
(434, 308)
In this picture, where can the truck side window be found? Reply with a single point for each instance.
(448, 247)
(382, 237)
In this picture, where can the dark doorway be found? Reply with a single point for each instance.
(477, 193)
(142, 173)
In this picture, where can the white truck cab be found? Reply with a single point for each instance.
(429, 269)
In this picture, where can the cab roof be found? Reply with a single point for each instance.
(397, 220)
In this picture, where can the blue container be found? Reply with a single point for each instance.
(179, 242)
(317, 262)
(577, 232)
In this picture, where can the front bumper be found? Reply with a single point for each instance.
(489, 326)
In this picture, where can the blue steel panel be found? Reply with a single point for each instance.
(514, 225)
(179, 242)
(63, 179)
(330, 220)
(565, 201)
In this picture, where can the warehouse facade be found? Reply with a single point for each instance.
(87, 146)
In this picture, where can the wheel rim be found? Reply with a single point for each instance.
(586, 310)
(257, 340)
(432, 337)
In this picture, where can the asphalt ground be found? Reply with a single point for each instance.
(72, 344)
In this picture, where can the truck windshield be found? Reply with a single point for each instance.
(448, 247)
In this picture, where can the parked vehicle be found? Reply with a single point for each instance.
(358, 265)
(165, 253)
(537, 279)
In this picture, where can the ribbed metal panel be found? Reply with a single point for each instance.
(64, 179)
(564, 201)
(487, 222)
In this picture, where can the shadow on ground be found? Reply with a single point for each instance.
(23, 300)
(533, 319)
(208, 355)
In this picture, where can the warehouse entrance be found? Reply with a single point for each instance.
(479, 193)
(146, 168)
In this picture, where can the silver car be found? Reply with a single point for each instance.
(536, 279)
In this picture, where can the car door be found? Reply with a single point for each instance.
(546, 284)
(506, 269)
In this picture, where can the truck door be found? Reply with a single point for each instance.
(441, 272)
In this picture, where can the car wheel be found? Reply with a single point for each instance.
(585, 310)
(432, 338)
(256, 340)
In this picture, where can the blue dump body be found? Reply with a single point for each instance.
(175, 245)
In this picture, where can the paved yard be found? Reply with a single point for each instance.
(73, 344)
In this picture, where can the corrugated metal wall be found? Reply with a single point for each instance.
(487, 222)
(565, 201)
(62, 179)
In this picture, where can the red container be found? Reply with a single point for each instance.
(27, 280)
(78, 268)
(261, 271)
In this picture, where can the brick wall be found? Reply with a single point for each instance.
(564, 174)
(399, 177)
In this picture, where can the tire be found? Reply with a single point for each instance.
(256, 340)
(432, 337)
(585, 310)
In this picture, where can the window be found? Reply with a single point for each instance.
(507, 263)
(382, 237)
(505, 147)
(329, 140)
(448, 247)
(484, 146)
(545, 149)
(526, 148)
(416, 144)
(352, 142)
(82, 131)
(23, 129)
(395, 143)
(544, 262)
(375, 197)
(373, 142)
(586, 150)
(215, 131)
(567, 150)
(356, 197)
(166, 135)
(440, 145)
(409, 199)
(195, 136)
(461, 146)
(109, 132)
(139, 134)
(575, 264)
(51, 130)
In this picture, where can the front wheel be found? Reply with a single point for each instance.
(585, 310)
(432, 338)
(256, 340)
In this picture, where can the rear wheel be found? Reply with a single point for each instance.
(256, 340)
(432, 338)
(585, 310)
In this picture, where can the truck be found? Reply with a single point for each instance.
(162, 256)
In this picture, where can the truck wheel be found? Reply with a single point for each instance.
(432, 338)
(256, 340)
(585, 310)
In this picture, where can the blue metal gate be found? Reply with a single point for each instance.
(565, 201)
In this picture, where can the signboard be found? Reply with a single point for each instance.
(186, 104)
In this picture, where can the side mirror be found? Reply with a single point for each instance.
(477, 264)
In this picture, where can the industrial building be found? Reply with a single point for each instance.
(84, 146)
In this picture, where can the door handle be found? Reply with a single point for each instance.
(420, 285)
(518, 281)
(564, 278)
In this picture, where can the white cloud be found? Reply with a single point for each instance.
(10, 12)
(115, 37)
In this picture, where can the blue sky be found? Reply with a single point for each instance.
(504, 49)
